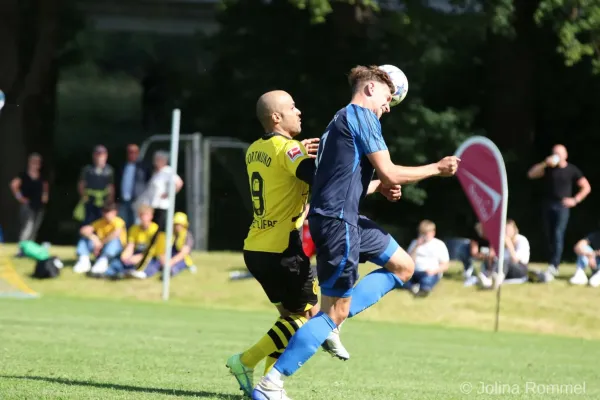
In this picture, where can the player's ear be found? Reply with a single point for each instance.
(276, 117)
(370, 88)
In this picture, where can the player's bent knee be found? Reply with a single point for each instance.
(401, 264)
(337, 308)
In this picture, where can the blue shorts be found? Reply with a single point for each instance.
(341, 247)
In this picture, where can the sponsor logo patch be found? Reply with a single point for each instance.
(294, 153)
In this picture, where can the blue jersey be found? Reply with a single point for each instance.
(343, 171)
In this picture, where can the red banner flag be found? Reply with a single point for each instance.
(482, 175)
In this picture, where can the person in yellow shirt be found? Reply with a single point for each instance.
(183, 243)
(104, 239)
(139, 240)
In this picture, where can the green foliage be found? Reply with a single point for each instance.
(577, 24)
(501, 17)
(251, 60)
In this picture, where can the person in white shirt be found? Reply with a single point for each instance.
(156, 194)
(516, 257)
(431, 260)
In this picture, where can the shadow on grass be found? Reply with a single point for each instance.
(127, 388)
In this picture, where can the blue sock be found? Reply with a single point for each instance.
(372, 288)
(305, 343)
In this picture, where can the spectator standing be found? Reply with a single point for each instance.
(156, 194)
(96, 185)
(559, 177)
(31, 190)
(132, 180)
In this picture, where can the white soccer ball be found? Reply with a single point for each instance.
(400, 82)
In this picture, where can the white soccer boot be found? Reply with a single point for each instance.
(333, 345)
(83, 265)
(579, 278)
(269, 390)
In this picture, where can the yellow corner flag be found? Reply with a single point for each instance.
(11, 284)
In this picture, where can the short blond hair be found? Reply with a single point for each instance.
(144, 208)
(426, 226)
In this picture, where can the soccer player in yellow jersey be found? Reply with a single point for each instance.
(138, 242)
(280, 171)
(104, 238)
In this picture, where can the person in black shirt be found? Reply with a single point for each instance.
(588, 254)
(559, 177)
(31, 190)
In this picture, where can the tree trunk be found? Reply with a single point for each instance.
(30, 85)
(510, 119)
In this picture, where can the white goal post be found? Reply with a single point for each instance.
(197, 174)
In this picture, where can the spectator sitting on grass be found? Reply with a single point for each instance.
(104, 238)
(588, 254)
(183, 243)
(431, 260)
(516, 260)
(139, 238)
(479, 249)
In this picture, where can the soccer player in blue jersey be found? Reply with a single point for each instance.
(350, 151)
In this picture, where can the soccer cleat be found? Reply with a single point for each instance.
(267, 390)
(579, 278)
(333, 345)
(243, 374)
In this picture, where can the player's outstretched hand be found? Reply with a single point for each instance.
(311, 146)
(392, 193)
(448, 165)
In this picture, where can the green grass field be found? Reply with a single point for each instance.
(91, 339)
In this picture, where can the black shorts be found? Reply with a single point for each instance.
(287, 278)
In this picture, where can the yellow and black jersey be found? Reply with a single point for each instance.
(180, 239)
(140, 237)
(278, 195)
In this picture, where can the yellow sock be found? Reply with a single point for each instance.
(276, 339)
(271, 360)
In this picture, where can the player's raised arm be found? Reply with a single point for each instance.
(367, 129)
(392, 174)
